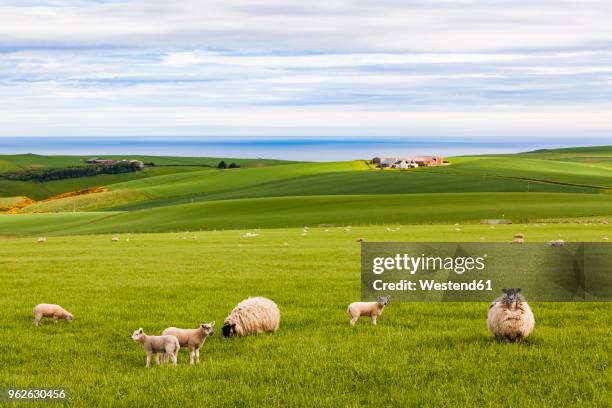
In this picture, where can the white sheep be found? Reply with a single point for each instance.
(518, 241)
(48, 310)
(252, 316)
(557, 243)
(167, 345)
(510, 317)
(372, 309)
(192, 338)
(41, 240)
(115, 239)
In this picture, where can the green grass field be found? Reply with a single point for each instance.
(183, 259)
(420, 354)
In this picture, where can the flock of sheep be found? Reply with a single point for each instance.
(510, 317)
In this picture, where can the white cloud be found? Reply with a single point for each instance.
(275, 67)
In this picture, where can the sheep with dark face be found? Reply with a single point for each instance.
(510, 317)
(252, 316)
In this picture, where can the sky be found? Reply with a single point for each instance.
(465, 69)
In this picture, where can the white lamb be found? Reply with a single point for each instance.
(115, 239)
(48, 310)
(372, 309)
(192, 338)
(167, 345)
(41, 240)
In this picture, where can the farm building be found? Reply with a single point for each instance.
(407, 162)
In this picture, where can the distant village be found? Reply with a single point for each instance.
(408, 162)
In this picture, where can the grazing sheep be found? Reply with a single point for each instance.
(372, 309)
(192, 338)
(54, 311)
(557, 243)
(250, 235)
(510, 317)
(252, 316)
(167, 345)
(115, 239)
(41, 240)
(518, 241)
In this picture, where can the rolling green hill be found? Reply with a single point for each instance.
(181, 196)
(299, 211)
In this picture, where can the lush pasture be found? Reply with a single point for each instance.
(317, 210)
(426, 354)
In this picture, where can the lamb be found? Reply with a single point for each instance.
(192, 338)
(48, 310)
(166, 344)
(115, 239)
(253, 315)
(510, 317)
(372, 309)
(41, 240)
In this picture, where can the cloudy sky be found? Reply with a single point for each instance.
(431, 68)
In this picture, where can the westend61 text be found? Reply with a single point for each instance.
(431, 285)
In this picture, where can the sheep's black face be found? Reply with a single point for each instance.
(228, 330)
(512, 295)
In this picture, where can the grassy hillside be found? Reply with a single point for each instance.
(419, 354)
(338, 210)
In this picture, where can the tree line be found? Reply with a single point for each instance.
(50, 174)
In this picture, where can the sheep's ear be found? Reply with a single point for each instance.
(505, 290)
(140, 331)
(518, 290)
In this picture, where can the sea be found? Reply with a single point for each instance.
(287, 148)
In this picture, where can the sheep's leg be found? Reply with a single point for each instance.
(191, 355)
(55, 317)
(374, 320)
(354, 320)
(148, 360)
(197, 356)
(173, 357)
(157, 359)
(37, 319)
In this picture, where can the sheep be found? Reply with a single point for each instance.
(115, 239)
(250, 235)
(253, 315)
(48, 310)
(192, 338)
(510, 317)
(41, 240)
(557, 243)
(166, 344)
(360, 240)
(518, 241)
(372, 309)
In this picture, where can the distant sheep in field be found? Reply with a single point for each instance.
(115, 239)
(372, 309)
(518, 241)
(192, 338)
(167, 345)
(41, 240)
(252, 316)
(250, 235)
(360, 240)
(519, 235)
(557, 243)
(510, 317)
(48, 310)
